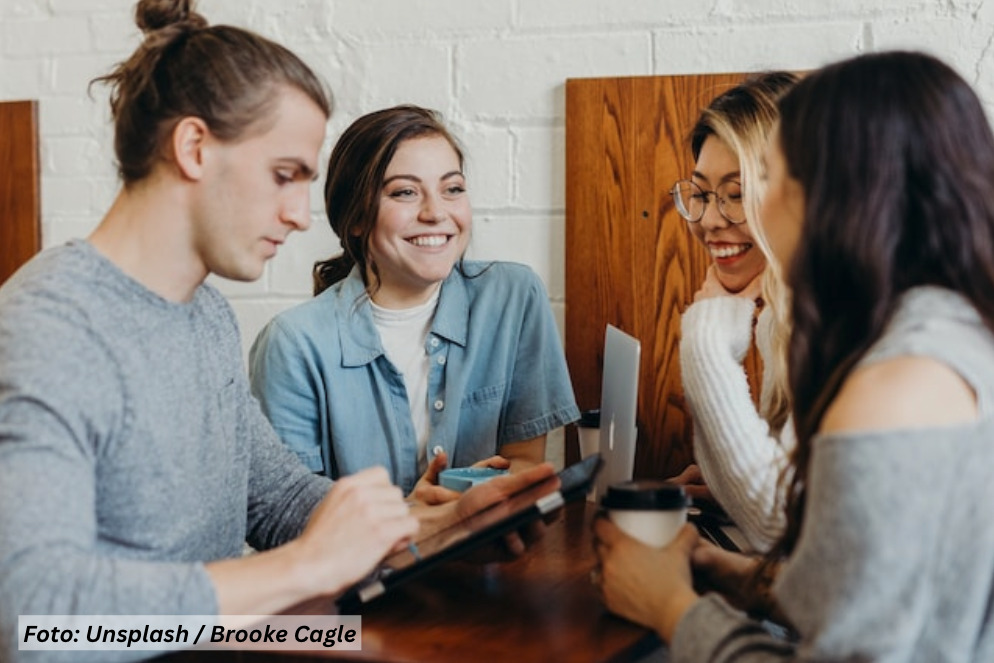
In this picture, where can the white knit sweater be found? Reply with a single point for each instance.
(740, 459)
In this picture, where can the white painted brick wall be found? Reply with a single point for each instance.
(771, 44)
(495, 68)
(540, 175)
(52, 35)
(519, 77)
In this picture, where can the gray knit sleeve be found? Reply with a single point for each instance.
(282, 491)
(877, 574)
(714, 631)
(51, 560)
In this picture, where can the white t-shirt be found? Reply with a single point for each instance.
(403, 333)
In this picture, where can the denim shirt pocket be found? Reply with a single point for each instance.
(485, 396)
(480, 419)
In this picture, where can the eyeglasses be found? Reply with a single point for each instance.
(691, 200)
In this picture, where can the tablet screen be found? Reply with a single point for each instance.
(577, 476)
(472, 532)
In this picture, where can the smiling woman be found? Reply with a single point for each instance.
(409, 356)
(424, 223)
(740, 451)
(712, 205)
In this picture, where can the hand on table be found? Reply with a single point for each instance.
(650, 586)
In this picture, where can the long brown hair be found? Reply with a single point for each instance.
(896, 158)
(354, 182)
(224, 75)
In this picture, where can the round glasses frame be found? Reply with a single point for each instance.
(692, 201)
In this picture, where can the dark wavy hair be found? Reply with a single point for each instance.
(354, 182)
(896, 160)
(224, 75)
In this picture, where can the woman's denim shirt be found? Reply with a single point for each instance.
(498, 375)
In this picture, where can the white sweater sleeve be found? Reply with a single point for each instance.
(739, 458)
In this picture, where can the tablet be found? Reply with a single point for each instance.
(464, 536)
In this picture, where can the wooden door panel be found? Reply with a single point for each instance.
(20, 207)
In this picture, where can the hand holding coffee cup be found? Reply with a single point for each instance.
(652, 511)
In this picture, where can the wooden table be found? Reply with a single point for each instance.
(540, 607)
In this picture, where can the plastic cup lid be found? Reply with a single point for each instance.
(590, 419)
(645, 495)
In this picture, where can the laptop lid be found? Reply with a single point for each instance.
(619, 401)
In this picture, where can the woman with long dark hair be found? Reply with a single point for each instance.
(878, 206)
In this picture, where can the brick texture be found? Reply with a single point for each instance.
(495, 69)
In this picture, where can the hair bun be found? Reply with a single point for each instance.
(152, 15)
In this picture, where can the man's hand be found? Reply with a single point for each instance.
(361, 520)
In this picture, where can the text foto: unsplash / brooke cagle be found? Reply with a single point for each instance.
(171, 632)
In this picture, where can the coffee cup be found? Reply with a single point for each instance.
(651, 511)
(589, 432)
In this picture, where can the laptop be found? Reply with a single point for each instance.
(619, 401)
(618, 435)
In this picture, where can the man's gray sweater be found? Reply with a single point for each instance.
(131, 450)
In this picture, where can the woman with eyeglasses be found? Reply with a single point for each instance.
(740, 452)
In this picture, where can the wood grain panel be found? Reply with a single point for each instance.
(630, 260)
(20, 206)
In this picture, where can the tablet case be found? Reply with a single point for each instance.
(471, 533)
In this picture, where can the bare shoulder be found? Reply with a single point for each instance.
(903, 392)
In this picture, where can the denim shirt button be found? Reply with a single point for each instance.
(441, 360)
(434, 342)
(439, 404)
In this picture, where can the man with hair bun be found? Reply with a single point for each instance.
(130, 481)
